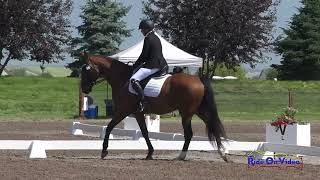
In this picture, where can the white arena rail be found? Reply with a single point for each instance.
(230, 145)
(162, 141)
(38, 148)
(292, 149)
(81, 129)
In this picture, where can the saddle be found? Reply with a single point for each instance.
(156, 75)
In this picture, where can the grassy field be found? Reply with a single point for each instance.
(39, 98)
(263, 100)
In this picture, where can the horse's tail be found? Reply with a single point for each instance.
(208, 112)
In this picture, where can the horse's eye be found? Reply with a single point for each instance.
(88, 67)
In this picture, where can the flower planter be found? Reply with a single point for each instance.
(290, 134)
(293, 134)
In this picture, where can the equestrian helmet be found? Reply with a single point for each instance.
(146, 24)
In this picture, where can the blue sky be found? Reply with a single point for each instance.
(285, 11)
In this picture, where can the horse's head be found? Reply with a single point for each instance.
(89, 74)
(115, 72)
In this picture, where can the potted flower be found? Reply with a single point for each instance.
(285, 129)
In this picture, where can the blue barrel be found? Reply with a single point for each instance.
(109, 108)
(92, 112)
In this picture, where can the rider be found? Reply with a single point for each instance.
(150, 61)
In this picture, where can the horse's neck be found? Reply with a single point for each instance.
(119, 74)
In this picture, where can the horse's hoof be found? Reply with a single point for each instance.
(179, 159)
(223, 155)
(149, 158)
(226, 159)
(104, 154)
(182, 156)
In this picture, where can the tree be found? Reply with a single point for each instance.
(102, 31)
(37, 30)
(222, 32)
(270, 73)
(300, 48)
(42, 67)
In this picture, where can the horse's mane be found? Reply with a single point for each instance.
(121, 70)
(115, 61)
(110, 61)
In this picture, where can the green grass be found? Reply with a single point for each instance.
(263, 100)
(39, 98)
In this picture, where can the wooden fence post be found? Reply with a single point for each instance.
(81, 112)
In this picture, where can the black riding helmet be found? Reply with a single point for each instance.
(146, 24)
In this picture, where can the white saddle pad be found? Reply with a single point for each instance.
(153, 88)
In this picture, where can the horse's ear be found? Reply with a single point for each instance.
(84, 54)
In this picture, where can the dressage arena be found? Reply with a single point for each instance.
(130, 164)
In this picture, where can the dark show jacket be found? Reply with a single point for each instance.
(151, 54)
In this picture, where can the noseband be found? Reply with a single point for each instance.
(97, 81)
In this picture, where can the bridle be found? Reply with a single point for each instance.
(97, 81)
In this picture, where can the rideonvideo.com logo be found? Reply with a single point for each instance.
(279, 161)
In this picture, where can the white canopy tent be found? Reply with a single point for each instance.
(173, 55)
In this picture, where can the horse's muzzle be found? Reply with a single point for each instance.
(86, 90)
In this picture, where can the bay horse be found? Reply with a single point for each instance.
(186, 93)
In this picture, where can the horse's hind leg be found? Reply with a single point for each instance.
(221, 149)
(186, 123)
(143, 127)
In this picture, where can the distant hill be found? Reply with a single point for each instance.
(36, 71)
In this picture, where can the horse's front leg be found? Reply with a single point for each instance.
(143, 127)
(115, 120)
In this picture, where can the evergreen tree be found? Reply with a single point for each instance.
(222, 32)
(102, 30)
(34, 30)
(300, 49)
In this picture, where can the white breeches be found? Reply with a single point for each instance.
(142, 73)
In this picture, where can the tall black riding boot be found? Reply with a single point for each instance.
(137, 87)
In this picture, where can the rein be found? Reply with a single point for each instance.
(99, 81)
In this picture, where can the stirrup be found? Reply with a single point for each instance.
(140, 106)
